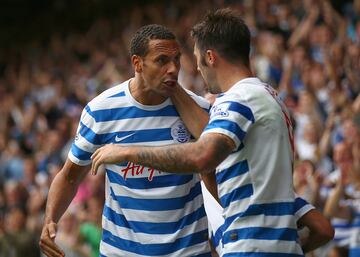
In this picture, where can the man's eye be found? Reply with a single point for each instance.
(161, 60)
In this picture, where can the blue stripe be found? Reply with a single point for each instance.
(227, 125)
(344, 226)
(236, 194)
(165, 204)
(241, 146)
(154, 227)
(260, 233)
(271, 209)
(155, 249)
(338, 239)
(233, 171)
(144, 183)
(242, 109)
(257, 254)
(354, 252)
(79, 153)
(216, 238)
(118, 94)
(130, 113)
(145, 135)
(299, 203)
(203, 255)
(267, 209)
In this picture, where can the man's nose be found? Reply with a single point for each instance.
(173, 67)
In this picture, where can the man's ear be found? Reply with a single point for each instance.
(211, 57)
(137, 63)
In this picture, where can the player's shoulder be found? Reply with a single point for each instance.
(201, 101)
(109, 98)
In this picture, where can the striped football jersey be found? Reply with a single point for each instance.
(255, 181)
(147, 212)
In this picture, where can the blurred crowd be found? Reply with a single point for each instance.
(307, 50)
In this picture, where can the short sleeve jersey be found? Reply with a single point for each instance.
(147, 212)
(255, 180)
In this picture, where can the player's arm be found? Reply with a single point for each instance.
(332, 206)
(62, 191)
(320, 230)
(201, 156)
(194, 117)
(209, 180)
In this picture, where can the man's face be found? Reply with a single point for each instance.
(206, 71)
(160, 66)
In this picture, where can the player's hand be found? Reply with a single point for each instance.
(47, 238)
(106, 154)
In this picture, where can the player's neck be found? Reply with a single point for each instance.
(229, 75)
(143, 95)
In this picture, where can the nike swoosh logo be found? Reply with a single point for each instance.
(119, 139)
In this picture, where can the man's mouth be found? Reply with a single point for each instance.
(170, 83)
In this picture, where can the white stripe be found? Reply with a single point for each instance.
(253, 245)
(284, 221)
(228, 133)
(231, 160)
(154, 193)
(110, 251)
(156, 216)
(144, 238)
(233, 183)
(237, 207)
(134, 124)
(85, 145)
(235, 117)
(303, 210)
(77, 161)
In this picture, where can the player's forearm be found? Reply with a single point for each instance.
(209, 180)
(169, 159)
(321, 230)
(194, 117)
(61, 193)
(332, 203)
(313, 242)
(201, 156)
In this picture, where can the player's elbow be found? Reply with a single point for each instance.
(325, 231)
(204, 162)
(328, 232)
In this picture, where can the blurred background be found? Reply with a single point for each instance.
(57, 55)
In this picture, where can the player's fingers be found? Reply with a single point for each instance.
(95, 153)
(48, 245)
(51, 250)
(96, 164)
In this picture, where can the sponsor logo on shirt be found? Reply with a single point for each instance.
(137, 170)
(119, 139)
(220, 110)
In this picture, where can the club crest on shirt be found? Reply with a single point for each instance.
(179, 132)
(220, 110)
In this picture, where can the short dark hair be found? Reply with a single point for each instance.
(140, 42)
(225, 32)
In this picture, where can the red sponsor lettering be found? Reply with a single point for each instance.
(136, 170)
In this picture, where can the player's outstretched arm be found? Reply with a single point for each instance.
(194, 117)
(320, 230)
(201, 156)
(62, 191)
